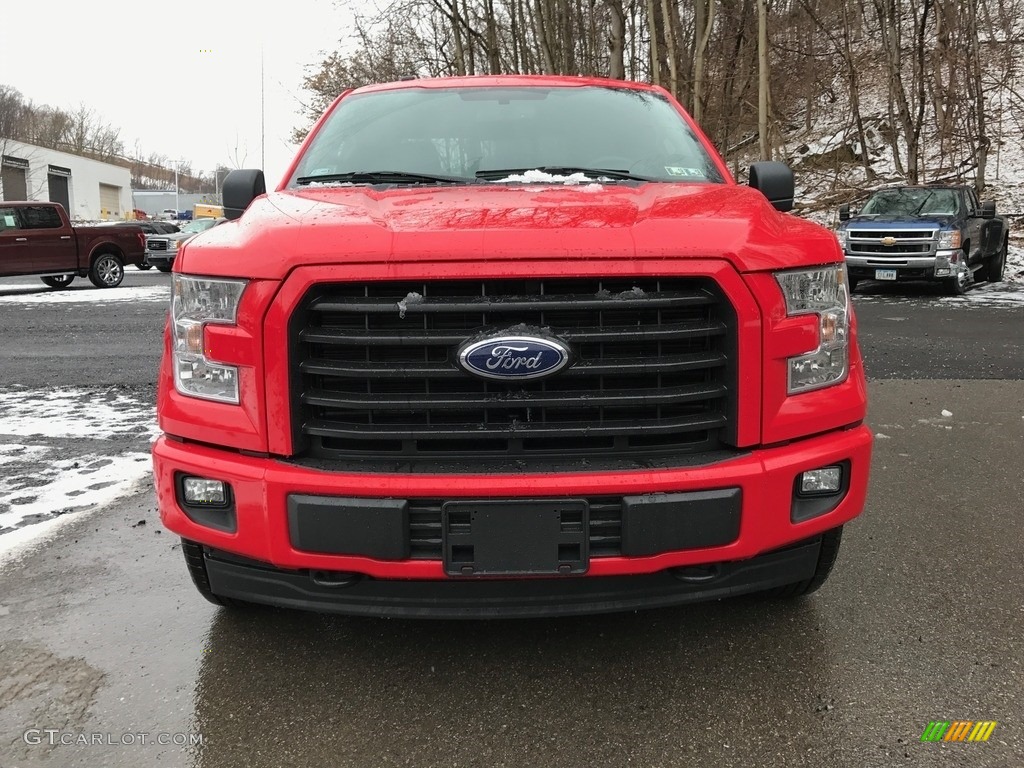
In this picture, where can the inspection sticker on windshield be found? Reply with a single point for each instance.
(690, 173)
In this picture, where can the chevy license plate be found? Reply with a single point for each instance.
(885, 274)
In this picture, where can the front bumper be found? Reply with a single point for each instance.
(937, 266)
(252, 581)
(159, 258)
(261, 488)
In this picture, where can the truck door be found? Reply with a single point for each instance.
(974, 229)
(51, 242)
(14, 252)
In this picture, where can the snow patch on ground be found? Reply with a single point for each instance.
(65, 453)
(83, 295)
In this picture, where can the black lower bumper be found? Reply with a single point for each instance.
(232, 577)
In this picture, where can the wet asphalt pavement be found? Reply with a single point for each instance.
(101, 631)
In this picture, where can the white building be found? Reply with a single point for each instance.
(88, 189)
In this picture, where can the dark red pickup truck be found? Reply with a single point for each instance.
(38, 239)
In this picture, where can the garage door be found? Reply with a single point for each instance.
(110, 202)
(12, 176)
(57, 180)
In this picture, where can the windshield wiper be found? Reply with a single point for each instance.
(383, 177)
(561, 170)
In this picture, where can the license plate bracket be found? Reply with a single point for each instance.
(885, 274)
(543, 537)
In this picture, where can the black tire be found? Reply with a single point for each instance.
(58, 281)
(196, 562)
(826, 559)
(165, 267)
(107, 271)
(144, 267)
(993, 269)
(853, 283)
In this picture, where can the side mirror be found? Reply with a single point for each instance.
(988, 210)
(774, 181)
(844, 213)
(240, 188)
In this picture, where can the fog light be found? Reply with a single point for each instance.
(201, 491)
(821, 482)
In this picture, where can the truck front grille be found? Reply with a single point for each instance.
(885, 242)
(374, 371)
(156, 245)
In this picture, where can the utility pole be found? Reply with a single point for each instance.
(263, 113)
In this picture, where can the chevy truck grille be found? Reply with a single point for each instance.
(885, 242)
(374, 371)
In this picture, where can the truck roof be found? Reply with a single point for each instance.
(507, 81)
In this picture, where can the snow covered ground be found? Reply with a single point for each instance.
(63, 453)
(86, 293)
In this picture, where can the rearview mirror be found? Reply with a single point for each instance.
(774, 181)
(844, 213)
(240, 188)
(988, 210)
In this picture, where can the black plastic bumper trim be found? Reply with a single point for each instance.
(505, 598)
(333, 525)
(669, 522)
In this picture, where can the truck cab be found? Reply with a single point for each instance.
(937, 233)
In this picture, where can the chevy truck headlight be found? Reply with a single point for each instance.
(844, 238)
(197, 301)
(822, 291)
(948, 239)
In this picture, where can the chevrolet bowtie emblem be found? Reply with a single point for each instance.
(888, 241)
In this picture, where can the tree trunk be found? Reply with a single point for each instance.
(762, 87)
(616, 40)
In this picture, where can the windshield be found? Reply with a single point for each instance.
(463, 134)
(199, 225)
(912, 202)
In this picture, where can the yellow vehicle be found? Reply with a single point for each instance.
(204, 211)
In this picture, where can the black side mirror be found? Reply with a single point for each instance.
(240, 188)
(844, 213)
(774, 181)
(988, 210)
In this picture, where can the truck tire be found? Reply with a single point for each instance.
(144, 267)
(164, 267)
(853, 283)
(993, 269)
(58, 281)
(196, 563)
(107, 271)
(826, 559)
(958, 284)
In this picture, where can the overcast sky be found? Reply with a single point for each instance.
(181, 79)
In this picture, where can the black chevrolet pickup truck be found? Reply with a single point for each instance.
(935, 233)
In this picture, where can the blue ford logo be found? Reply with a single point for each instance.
(514, 357)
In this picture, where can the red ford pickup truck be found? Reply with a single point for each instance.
(509, 346)
(38, 239)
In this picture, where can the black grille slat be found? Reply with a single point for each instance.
(453, 403)
(375, 372)
(426, 432)
(427, 337)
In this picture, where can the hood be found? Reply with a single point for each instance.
(501, 222)
(906, 222)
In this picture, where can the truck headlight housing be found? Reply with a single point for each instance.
(949, 239)
(822, 291)
(197, 301)
(172, 245)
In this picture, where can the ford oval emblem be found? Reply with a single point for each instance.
(514, 357)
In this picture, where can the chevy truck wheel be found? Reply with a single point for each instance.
(58, 281)
(996, 266)
(957, 285)
(107, 271)
(826, 559)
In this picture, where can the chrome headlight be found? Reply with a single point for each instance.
(197, 301)
(822, 291)
(948, 239)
